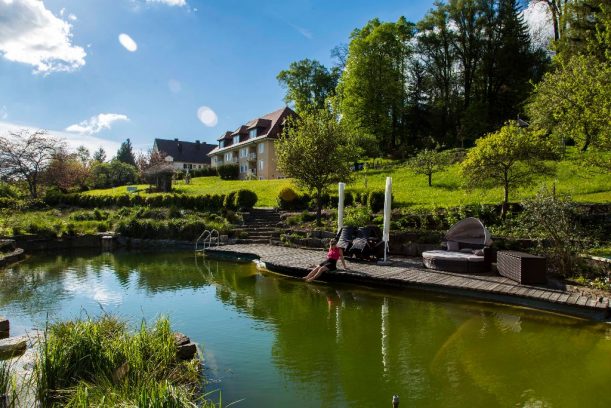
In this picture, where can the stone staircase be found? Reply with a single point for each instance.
(260, 225)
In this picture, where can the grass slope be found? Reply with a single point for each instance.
(412, 190)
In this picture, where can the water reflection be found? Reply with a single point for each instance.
(321, 345)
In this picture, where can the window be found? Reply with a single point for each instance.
(261, 164)
(261, 147)
(252, 133)
(229, 156)
(221, 144)
(243, 168)
(184, 165)
(244, 152)
(236, 139)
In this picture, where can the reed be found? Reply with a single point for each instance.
(99, 362)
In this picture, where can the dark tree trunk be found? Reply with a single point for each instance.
(318, 207)
(505, 206)
(430, 179)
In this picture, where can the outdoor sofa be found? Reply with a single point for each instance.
(465, 249)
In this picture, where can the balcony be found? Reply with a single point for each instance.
(252, 156)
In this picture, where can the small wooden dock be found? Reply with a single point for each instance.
(409, 272)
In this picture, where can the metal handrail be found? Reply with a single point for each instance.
(206, 237)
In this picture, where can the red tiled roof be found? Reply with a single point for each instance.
(269, 125)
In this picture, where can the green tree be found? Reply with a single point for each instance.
(575, 101)
(428, 162)
(316, 150)
(308, 84)
(508, 158)
(113, 174)
(99, 155)
(125, 154)
(373, 91)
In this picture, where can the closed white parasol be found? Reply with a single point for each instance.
(387, 213)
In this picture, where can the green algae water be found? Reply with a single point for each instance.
(270, 341)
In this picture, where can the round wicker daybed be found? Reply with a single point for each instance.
(467, 249)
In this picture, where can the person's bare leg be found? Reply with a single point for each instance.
(320, 271)
(312, 272)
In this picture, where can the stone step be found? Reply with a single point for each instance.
(252, 241)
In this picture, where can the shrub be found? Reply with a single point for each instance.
(229, 201)
(288, 199)
(229, 171)
(357, 216)
(245, 199)
(348, 199)
(375, 201)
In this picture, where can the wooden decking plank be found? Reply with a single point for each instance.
(582, 300)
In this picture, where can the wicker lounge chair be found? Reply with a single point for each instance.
(466, 249)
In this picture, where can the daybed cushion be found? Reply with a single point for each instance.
(452, 256)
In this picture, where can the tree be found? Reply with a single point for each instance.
(99, 155)
(316, 150)
(113, 174)
(373, 91)
(508, 158)
(428, 162)
(125, 153)
(24, 155)
(66, 171)
(308, 83)
(575, 101)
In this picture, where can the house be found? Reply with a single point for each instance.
(184, 155)
(251, 146)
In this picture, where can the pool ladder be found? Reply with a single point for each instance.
(207, 238)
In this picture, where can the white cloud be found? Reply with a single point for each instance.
(207, 116)
(179, 3)
(72, 17)
(174, 86)
(97, 123)
(3, 112)
(73, 140)
(31, 34)
(539, 21)
(127, 42)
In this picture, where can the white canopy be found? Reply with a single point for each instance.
(470, 231)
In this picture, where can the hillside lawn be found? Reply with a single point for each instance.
(410, 189)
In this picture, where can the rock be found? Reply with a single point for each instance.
(5, 328)
(180, 339)
(13, 346)
(187, 351)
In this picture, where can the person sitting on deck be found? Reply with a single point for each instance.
(329, 264)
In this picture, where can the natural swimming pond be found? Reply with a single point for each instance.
(271, 341)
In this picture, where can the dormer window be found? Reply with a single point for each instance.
(236, 139)
(252, 133)
(221, 144)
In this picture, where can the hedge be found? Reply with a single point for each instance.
(200, 203)
(245, 199)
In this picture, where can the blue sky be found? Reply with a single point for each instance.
(70, 74)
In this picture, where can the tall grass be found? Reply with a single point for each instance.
(8, 390)
(98, 362)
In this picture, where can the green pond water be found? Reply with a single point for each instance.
(271, 341)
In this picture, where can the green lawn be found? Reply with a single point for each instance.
(412, 190)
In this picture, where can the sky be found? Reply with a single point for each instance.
(96, 72)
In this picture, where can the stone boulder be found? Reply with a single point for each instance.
(185, 349)
(13, 346)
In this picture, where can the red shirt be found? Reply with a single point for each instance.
(333, 253)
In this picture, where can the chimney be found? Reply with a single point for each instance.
(176, 140)
(197, 144)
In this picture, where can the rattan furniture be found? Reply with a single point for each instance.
(521, 267)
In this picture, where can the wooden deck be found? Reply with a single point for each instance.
(409, 272)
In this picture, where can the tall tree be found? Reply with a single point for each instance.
(435, 48)
(373, 84)
(316, 150)
(308, 84)
(125, 153)
(99, 155)
(575, 101)
(24, 156)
